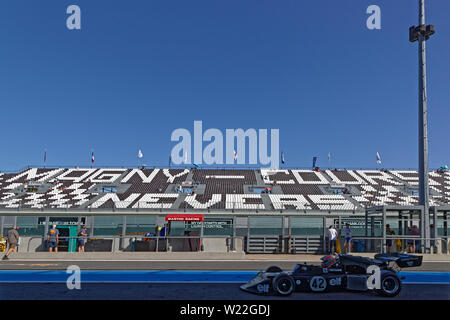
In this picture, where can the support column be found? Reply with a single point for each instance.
(91, 233)
(47, 221)
(383, 225)
(2, 223)
(201, 235)
(372, 232)
(445, 231)
(233, 241)
(423, 135)
(366, 227)
(124, 233)
(324, 235)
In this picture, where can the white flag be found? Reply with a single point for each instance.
(140, 155)
(378, 158)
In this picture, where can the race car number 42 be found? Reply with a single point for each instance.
(318, 283)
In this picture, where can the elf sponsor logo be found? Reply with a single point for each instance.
(336, 282)
(262, 288)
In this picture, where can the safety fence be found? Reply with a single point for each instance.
(250, 244)
(132, 243)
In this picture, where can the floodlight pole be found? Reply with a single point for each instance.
(421, 34)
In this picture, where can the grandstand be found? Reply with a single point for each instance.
(242, 195)
(216, 190)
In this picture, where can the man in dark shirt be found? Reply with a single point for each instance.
(82, 238)
(53, 238)
(12, 238)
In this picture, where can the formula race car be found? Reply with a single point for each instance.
(343, 272)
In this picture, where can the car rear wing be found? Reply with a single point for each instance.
(402, 260)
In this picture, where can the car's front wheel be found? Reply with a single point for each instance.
(283, 284)
(390, 285)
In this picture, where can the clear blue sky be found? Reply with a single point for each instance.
(140, 69)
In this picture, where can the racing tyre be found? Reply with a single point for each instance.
(283, 284)
(274, 269)
(390, 285)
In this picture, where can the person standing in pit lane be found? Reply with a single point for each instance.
(12, 238)
(332, 237)
(348, 238)
(53, 239)
(82, 238)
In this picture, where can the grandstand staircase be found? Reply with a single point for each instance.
(266, 201)
(180, 200)
(259, 179)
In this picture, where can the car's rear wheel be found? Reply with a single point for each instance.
(274, 269)
(390, 285)
(283, 285)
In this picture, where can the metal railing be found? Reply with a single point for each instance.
(277, 244)
(390, 244)
(166, 240)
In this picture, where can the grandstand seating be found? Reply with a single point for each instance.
(220, 189)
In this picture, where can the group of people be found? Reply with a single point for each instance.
(12, 239)
(53, 239)
(333, 237)
(412, 245)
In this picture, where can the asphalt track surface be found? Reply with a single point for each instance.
(197, 292)
(189, 291)
(43, 264)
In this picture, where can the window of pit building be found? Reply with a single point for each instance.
(306, 226)
(30, 226)
(265, 226)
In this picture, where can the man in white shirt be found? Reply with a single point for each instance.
(332, 237)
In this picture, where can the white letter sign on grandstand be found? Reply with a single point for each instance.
(74, 20)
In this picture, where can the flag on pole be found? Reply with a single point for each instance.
(140, 155)
(45, 157)
(314, 162)
(378, 158)
(329, 156)
(282, 157)
(92, 157)
(235, 155)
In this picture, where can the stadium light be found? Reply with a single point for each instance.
(422, 33)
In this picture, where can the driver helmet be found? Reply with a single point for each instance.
(328, 261)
